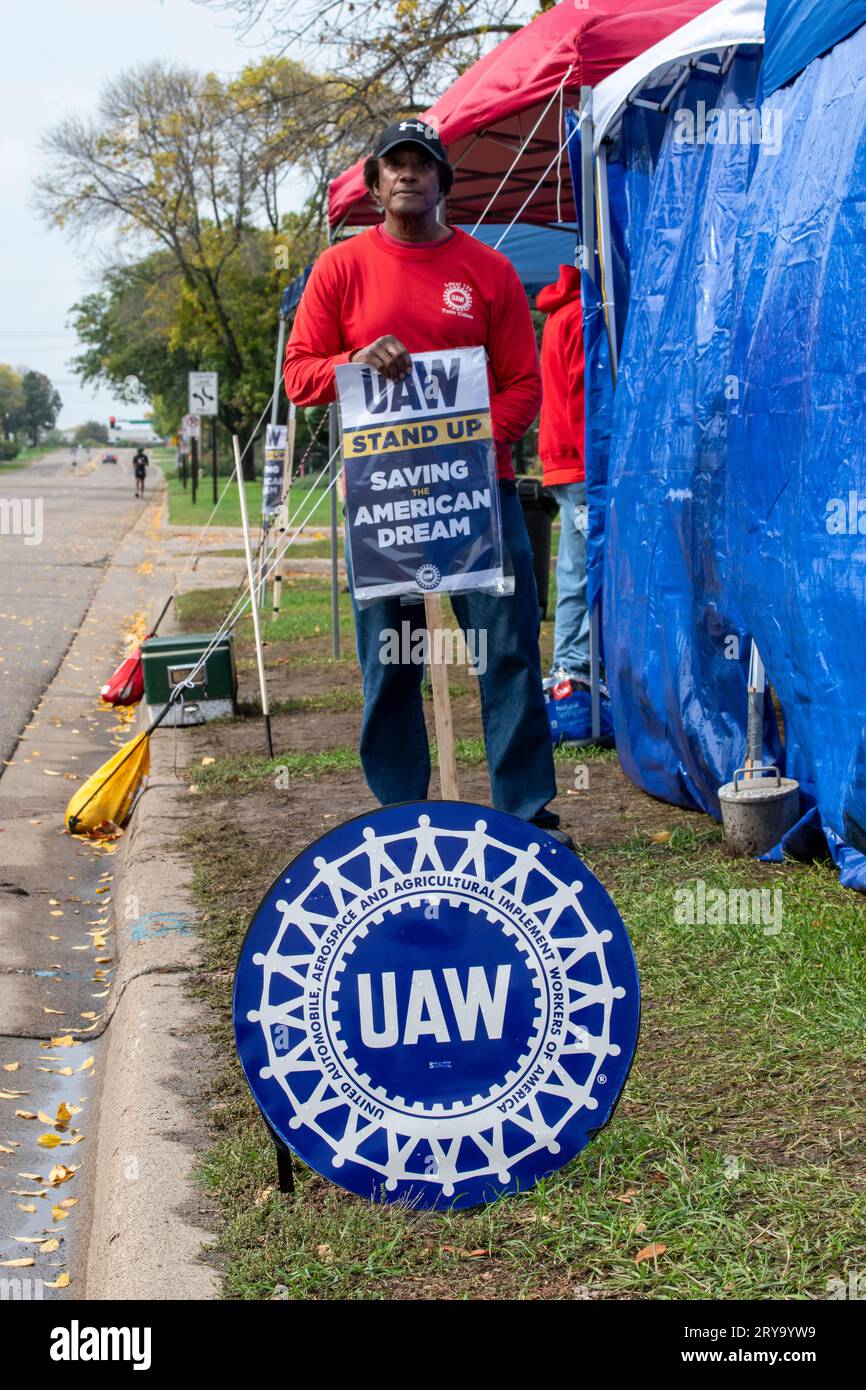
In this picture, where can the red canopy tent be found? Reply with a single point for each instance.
(487, 115)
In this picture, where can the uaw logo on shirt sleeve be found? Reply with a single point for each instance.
(436, 1003)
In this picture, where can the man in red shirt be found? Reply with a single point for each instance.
(414, 284)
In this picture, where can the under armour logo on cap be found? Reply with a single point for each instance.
(411, 132)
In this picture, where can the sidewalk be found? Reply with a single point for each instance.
(147, 1232)
(93, 1020)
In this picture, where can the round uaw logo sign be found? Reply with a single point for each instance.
(427, 576)
(436, 1003)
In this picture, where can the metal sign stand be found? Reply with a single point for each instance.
(253, 606)
(283, 509)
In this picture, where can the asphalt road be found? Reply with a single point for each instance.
(77, 562)
(47, 584)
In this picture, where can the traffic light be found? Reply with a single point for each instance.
(111, 421)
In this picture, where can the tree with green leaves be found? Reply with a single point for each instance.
(92, 432)
(42, 405)
(188, 169)
(12, 401)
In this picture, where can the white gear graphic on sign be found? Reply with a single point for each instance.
(543, 924)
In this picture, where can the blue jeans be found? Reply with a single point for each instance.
(394, 750)
(571, 628)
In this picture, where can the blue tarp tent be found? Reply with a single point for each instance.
(796, 514)
(535, 252)
(737, 452)
(798, 31)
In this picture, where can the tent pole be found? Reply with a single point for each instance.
(587, 228)
(335, 562)
(605, 256)
(333, 442)
(587, 201)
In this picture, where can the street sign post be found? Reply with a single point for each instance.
(203, 393)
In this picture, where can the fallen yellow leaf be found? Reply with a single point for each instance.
(61, 1282)
(87, 1064)
(17, 1264)
(49, 1246)
(58, 1214)
(26, 1206)
(48, 1141)
(60, 1173)
(11, 1066)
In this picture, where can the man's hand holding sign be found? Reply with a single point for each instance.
(387, 356)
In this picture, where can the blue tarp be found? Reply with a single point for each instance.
(796, 500)
(630, 169)
(736, 497)
(798, 31)
(535, 252)
(676, 640)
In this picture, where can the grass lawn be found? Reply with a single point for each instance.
(737, 1145)
(308, 504)
(29, 455)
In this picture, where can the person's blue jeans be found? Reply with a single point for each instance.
(394, 750)
(571, 627)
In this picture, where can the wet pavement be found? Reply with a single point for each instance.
(77, 555)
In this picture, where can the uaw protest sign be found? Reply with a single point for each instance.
(422, 506)
(272, 477)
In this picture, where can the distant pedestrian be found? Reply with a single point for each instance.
(140, 464)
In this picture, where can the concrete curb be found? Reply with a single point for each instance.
(146, 1234)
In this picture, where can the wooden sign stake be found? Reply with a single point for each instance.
(441, 699)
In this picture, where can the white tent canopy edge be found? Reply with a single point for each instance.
(726, 25)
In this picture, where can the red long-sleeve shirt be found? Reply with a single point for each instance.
(452, 293)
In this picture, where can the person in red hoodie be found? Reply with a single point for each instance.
(414, 284)
(560, 447)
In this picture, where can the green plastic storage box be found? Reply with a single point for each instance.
(169, 661)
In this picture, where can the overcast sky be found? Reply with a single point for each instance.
(56, 56)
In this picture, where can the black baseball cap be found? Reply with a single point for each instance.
(412, 131)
